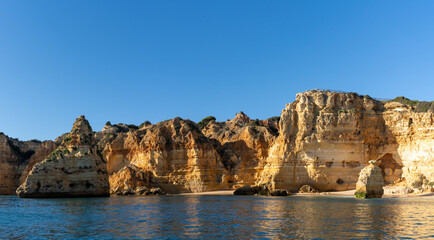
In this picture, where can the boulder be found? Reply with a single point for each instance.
(307, 189)
(245, 190)
(142, 191)
(157, 191)
(370, 183)
(279, 192)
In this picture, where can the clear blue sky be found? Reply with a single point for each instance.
(131, 61)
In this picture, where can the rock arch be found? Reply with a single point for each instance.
(390, 168)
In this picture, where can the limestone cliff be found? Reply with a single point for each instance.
(412, 152)
(75, 169)
(243, 146)
(179, 156)
(322, 139)
(17, 158)
(326, 138)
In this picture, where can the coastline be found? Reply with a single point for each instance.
(348, 193)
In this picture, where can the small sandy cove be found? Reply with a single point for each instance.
(387, 193)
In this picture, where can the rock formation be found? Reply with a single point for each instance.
(243, 146)
(17, 158)
(307, 189)
(411, 155)
(130, 180)
(176, 153)
(75, 169)
(326, 138)
(323, 139)
(370, 183)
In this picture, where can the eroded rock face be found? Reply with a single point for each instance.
(179, 156)
(130, 180)
(17, 158)
(307, 189)
(370, 183)
(74, 169)
(325, 139)
(243, 146)
(413, 149)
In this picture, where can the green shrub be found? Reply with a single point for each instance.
(67, 139)
(418, 106)
(254, 123)
(144, 124)
(405, 100)
(276, 118)
(424, 107)
(360, 195)
(205, 121)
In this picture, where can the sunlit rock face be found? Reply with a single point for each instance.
(17, 159)
(370, 183)
(129, 180)
(325, 139)
(179, 156)
(412, 154)
(243, 145)
(75, 169)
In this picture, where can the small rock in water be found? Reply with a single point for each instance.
(157, 191)
(245, 190)
(279, 192)
(370, 183)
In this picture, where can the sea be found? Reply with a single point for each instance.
(217, 217)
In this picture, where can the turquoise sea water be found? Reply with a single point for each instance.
(218, 217)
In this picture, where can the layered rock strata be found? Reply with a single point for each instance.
(75, 169)
(243, 146)
(323, 139)
(17, 158)
(326, 138)
(177, 155)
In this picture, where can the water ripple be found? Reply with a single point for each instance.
(218, 217)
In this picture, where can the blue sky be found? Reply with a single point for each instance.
(131, 61)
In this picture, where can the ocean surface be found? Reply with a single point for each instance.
(217, 217)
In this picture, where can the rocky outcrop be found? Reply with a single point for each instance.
(279, 192)
(75, 169)
(323, 139)
(252, 190)
(17, 158)
(243, 146)
(370, 183)
(326, 138)
(177, 155)
(411, 155)
(130, 180)
(307, 189)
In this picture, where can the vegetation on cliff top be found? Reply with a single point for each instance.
(205, 121)
(417, 105)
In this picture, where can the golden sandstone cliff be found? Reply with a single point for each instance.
(323, 139)
(326, 138)
(74, 169)
(177, 155)
(17, 158)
